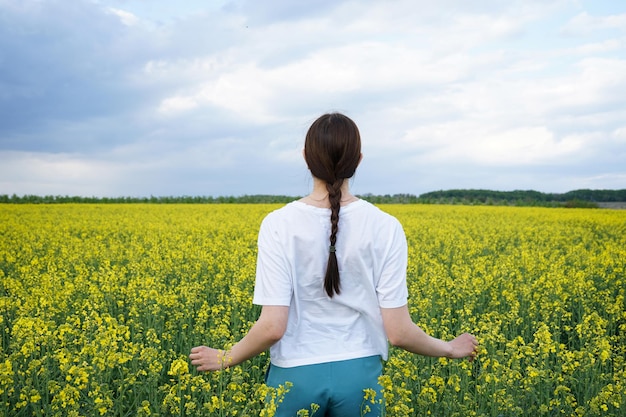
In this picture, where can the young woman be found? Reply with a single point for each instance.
(331, 280)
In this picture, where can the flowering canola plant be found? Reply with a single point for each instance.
(100, 305)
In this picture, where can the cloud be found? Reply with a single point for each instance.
(584, 23)
(49, 173)
(125, 17)
(62, 61)
(197, 98)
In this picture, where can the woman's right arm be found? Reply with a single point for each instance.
(268, 329)
(403, 333)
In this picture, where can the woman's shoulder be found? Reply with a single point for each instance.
(285, 213)
(373, 210)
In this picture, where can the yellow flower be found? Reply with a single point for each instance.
(179, 367)
(99, 301)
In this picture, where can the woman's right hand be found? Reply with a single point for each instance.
(207, 359)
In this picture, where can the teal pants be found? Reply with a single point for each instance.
(336, 387)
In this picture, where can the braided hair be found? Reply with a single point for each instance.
(332, 151)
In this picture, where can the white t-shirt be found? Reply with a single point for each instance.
(293, 246)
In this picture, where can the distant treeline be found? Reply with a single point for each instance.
(55, 199)
(576, 198)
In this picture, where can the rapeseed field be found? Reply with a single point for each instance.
(100, 305)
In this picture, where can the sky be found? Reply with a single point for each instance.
(213, 98)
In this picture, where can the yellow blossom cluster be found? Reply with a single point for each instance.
(100, 305)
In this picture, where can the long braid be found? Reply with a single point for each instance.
(331, 280)
(332, 150)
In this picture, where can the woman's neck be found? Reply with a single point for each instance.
(319, 195)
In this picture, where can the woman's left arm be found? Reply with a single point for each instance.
(268, 329)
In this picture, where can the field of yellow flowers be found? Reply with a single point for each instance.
(100, 305)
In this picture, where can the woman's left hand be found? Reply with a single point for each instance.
(465, 345)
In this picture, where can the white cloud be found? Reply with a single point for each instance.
(177, 104)
(125, 17)
(474, 142)
(584, 23)
(595, 48)
(56, 174)
(620, 134)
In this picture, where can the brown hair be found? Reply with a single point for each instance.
(332, 151)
